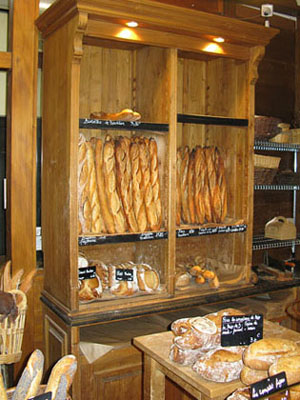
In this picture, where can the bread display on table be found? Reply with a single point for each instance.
(201, 190)
(118, 185)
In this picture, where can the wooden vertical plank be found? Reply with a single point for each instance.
(21, 150)
(297, 73)
(154, 380)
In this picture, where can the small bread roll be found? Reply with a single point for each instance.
(182, 279)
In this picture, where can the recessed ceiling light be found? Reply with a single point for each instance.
(132, 24)
(219, 40)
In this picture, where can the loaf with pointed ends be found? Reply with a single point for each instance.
(291, 366)
(191, 187)
(124, 115)
(250, 376)
(185, 213)
(263, 353)
(31, 377)
(200, 171)
(219, 365)
(61, 377)
(154, 178)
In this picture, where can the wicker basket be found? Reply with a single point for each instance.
(266, 127)
(265, 169)
(11, 333)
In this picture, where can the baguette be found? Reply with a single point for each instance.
(109, 170)
(61, 377)
(178, 187)
(84, 212)
(105, 211)
(185, 214)
(223, 187)
(154, 178)
(263, 353)
(200, 167)
(3, 395)
(30, 380)
(125, 115)
(123, 168)
(191, 187)
(209, 180)
(138, 198)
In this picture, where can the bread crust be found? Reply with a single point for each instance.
(185, 214)
(61, 377)
(291, 366)
(250, 376)
(155, 182)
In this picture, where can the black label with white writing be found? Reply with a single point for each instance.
(124, 274)
(86, 273)
(268, 386)
(241, 330)
(44, 396)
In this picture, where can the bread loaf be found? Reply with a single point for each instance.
(178, 187)
(61, 377)
(184, 356)
(263, 353)
(219, 365)
(124, 180)
(31, 377)
(124, 115)
(191, 187)
(200, 171)
(154, 178)
(146, 185)
(105, 211)
(185, 213)
(122, 287)
(250, 376)
(291, 366)
(109, 169)
(240, 394)
(84, 211)
(138, 198)
(148, 279)
(206, 188)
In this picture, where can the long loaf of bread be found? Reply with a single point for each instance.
(138, 198)
(84, 211)
(178, 186)
(200, 171)
(185, 213)
(31, 377)
(61, 377)
(154, 178)
(191, 187)
(105, 211)
(124, 180)
(109, 171)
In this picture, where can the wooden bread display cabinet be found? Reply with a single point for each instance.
(147, 182)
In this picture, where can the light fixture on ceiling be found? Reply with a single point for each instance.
(132, 24)
(219, 39)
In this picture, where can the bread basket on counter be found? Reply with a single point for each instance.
(265, 169)
(11, 332)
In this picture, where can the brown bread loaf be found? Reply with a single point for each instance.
(263, 353)
(109, 171)
(61, 377)
(84, 211)
(215, 190)
(154, 178)
(200, 168)
(185, 213)
(250, 376)
(105, 211)
(219, 365)
(191, 187)
(291, 366)
(31, 377)
(144, 156)
(178, 186)
(209, 182)
(223, 187)
(138, 198)
(124, 180)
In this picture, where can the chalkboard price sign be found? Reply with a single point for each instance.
(44, 396)
(86, 273)
(241, 330)
(124, 274)
(267, 386)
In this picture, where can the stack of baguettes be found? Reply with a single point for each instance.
(118, 185)
(201, 192)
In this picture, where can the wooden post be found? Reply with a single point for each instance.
(21, 149)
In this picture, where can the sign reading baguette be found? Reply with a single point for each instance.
(241, 330)
(267, 386)
(44, 396)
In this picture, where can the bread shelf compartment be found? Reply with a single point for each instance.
(211, 120)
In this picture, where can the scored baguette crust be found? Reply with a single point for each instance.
(178, 186)
(61, 377)
(200, 170)
(191, 187)
(106, 214)
(109, 169)
(31, 377)
(185, 214)
(84, 211)
(263, 353)
(223, 187)
(206, 189)
(138, 199)
(124, 180)
(154, 178)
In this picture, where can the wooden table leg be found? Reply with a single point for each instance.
(154, 380)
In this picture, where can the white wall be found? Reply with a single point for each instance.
(3, 74)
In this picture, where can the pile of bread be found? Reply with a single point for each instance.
(201, 191)
(118, 185)
(197, 273)
(105, 283)
(197, 343)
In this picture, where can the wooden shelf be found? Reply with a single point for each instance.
(211, 120)
(86, 123)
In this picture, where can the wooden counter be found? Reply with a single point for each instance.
(157, 366)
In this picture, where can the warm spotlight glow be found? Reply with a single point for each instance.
(213, 48)
(219, 40)
(127, 34)
(132, 24)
